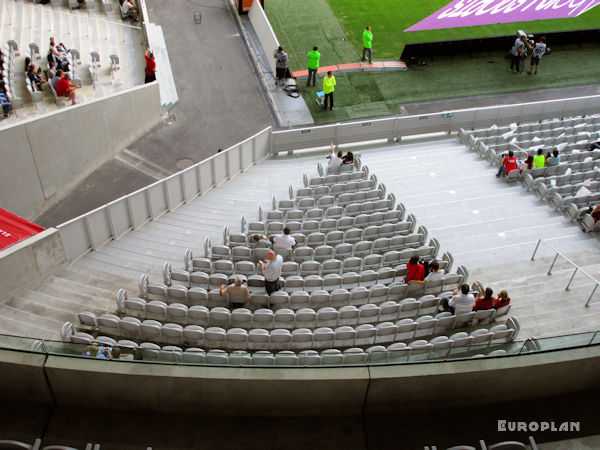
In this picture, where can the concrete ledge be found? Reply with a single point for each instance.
(22, 377)
(30, 261)
(208, 390)
(482, 381)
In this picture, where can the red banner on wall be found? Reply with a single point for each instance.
(14, 228)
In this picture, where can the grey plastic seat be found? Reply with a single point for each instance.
(342, 251)
(310, 268)
(328, 225)
(313, 283)
(323, 252)
(331, 266)
(310, 226)
(363, 248)
(350, 280)
(334, 237)
(353, 235)
(199, 315)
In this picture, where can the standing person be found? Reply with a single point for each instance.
(367, 44)
(150, 66)
(538, 51)
(270, 268)
(328, 88)
(281, 65)
(313, 64)
(334, 160)
(517, 51)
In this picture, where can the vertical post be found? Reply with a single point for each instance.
(536, 249)
(587, 305)
(571, 280)
(552, 265)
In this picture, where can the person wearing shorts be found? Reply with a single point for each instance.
(281, 65)
(538, 51)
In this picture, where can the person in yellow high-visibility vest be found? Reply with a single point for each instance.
(328, 88)
(367, 44)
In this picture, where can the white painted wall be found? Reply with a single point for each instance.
(43, 157)
(264, 31)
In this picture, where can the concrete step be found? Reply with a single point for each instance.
(44, 305)
(30, 324)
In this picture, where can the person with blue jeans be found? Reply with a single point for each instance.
(6, 106)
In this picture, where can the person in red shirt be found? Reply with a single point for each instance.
(485, 302)
(64, 88)
(509, 163)
(414, 270)
(503, 300)
(150, 66)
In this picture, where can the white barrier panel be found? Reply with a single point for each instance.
(139, 208)
(99, 226)
(44, 156)
(264, 32)
(366, 130)
(219, 164)
(262, 144)
(157, 199)
(75, 238)
(429, 123)
(303, 138)
(120, 217)
(94, 229)
(174, 189)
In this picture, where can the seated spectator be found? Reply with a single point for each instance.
(91, 350)
(51, 72)
(260, 241)
(284, 241)
(6, 106)
(540, 159)
(56, 78)
(348, 158)
(503, 300)
(509, 163)
(34, 75)
(414, 270)
(270, 268)
(553, 160)
(594, 212)
(435, 273)
(527, 165)
(58, 55)
(336, 160)
(485, 302)
(64, 88)
(27, 63)
(238, 291)
(103, 352)
(128, 7)
(459, 303)
(116, 353)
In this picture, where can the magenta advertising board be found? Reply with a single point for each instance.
(468, 13)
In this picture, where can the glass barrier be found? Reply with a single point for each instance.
(398, 353)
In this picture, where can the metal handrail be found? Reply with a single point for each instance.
(577, 269)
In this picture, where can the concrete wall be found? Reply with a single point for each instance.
(43, 157)
(264, 31)
(288, 392)
(28, 262)
(22, 378)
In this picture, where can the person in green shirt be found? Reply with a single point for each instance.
(368, 44)
(313, 64)
(328, 88)
(540, 159)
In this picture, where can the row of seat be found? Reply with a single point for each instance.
(567, 190)
(573, 176)
(333, 245)
(559, 202)
(550, 124)
(236, 338)
(344, 174)
(11, 52)
(280, 316)
(299, 339)
(389, 260)
(392, 220)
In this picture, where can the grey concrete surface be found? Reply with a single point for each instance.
(220, 104)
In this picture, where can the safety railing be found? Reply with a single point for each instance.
(92, 230)
(324, 359)
(394, 128)
(575, 271)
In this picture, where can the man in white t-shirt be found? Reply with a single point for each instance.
(270, 268)
(284, 241)
(462, 303)
(536, 55)
(336, 160)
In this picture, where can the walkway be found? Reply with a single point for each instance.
(376, 66)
